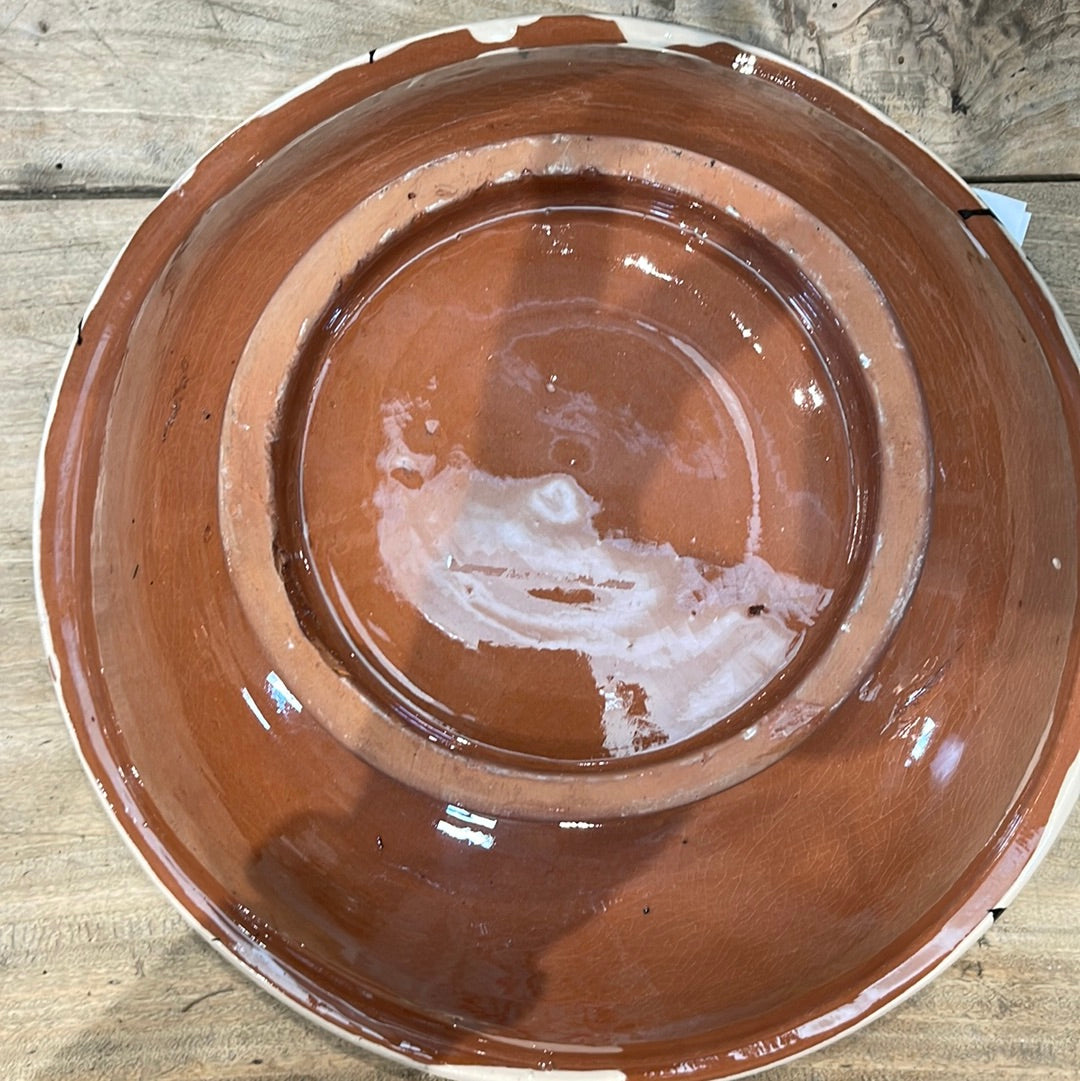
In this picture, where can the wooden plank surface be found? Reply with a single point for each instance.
(99, 978)
(108, 95)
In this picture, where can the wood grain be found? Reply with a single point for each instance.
(100, 978)
(107, 96)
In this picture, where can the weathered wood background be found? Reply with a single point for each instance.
(102, 104)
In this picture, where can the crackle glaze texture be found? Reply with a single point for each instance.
(561, 554)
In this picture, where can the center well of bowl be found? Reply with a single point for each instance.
(574, 470)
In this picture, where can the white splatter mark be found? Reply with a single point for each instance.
(674, 644)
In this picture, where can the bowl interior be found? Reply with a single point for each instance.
(541, 557)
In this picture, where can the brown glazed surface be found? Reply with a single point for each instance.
(544, 557)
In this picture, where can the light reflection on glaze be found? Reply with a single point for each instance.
(673, 643)
(646, 266)
(808, 397)
(246, 695)
(921, 741)
(476, 829)
(745, 432)
(467, 834)
(744, 63)
(470, 817)
(943, 765)
(284, 700)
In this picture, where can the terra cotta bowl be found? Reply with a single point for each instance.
(558, 544)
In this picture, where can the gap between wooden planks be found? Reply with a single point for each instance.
(112, 96)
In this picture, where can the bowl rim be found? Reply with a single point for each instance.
(1003, 878)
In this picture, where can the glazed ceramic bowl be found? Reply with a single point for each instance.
(558, 544)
